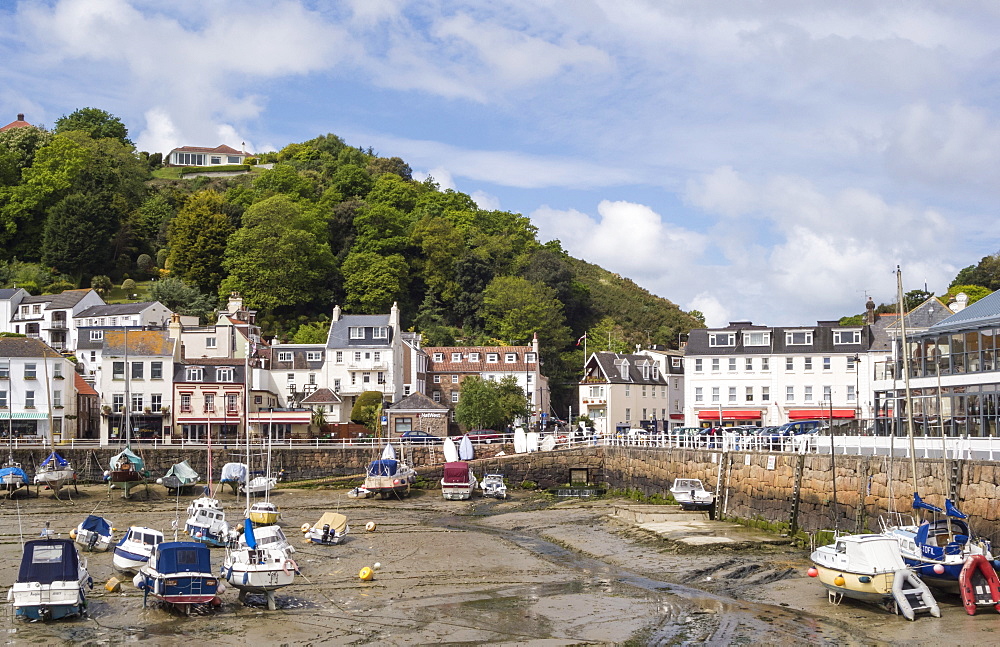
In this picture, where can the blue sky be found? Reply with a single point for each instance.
(771, 161)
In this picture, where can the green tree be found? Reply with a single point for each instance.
(486, 404)
(391, 190)
(515, 309)
(272, 263)
(102, 284)
(365, 406)
(441, 247)
(974, 292)
(128, 287)
(312, 333)
(17, 152)
(181, 298)
(78, 233)
(607, 335)
(198, 236)
(372, 282)
(352, 181)
(96, 123)
(381, 229)
(914, 298)
(145, 264)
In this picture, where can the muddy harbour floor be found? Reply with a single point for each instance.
(529, 570)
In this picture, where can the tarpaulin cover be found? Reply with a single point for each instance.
(96, 524)
(183, 557)
(384, 467)
(6, 472)
(234, 472)
(184, 473)
(49, 560)
(137, 463)
(457, 472)
(55, 460)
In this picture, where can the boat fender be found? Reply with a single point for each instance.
(290, 567)
(366, 574)
(839, 580)
(139, 581)
(305, 527)
(221, 588)
(72, 533)
(939, 569)
(812, 572)
(370, 526)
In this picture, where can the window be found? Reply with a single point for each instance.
(189, 159)
(436, 396)
(377, 356)
(137, 370)
(36, 309)
(118, 370)
(749, 394)
(403, 425)
(3, 399)
(186, 402)
(749, 365)
(314, 356)
(29, 371)
(827, 394)
(210, 342)
(732, 363)
(454, 396)
(808, 395)
(851, 394)
(285, 356)
(231, 402)
(290, 377)
(234, 159)
(799, 337)
(456, 357)
(529, 357)
(356, 332)
(380, 332)
(492, 358)
(760, 338)
(656, 372)
(715, 394)
(216, 159)
(339, 357)
(224, 374)
(850, 363)
(789, 364)
(698, 395)
(5, 369)
(438, 357)
(826, 363)
(454, 379)
(596, 391)
(789, 393)
(628, 390)
(715, 364)
(645, 371)
(354, 378)
(357, 356)
(209, 403)
(437, 379)
(644, 414)
(473, 357)
(765, 394)
(136, 403)
(57, 398)
(156, 401)
(732, 394)
(765, 363)
(722, 339)
(808, 363)
(96, 335)
(697, 365)
(510, 358)
(846, 336)
(675, 362)
(366, 378)
(194, 374)
(644, 392)
(156, 370)
(628, 415)
(118, 402)
(336, 385)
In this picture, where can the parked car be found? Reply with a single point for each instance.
(418, 437)
(485, 436)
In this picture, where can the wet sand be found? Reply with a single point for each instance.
(531, 570)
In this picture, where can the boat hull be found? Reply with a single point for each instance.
(877, 590)
(179, 588)
(126, 560)
(206, 536)
(264, 518)
(979, 585)
(460, 492)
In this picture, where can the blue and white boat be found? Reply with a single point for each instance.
(136, 547)
(54, 472)
(12, 477)
(180, 574)
(51, 582)
(937, 549)
(94, 534)
(258, 568)
(206, 522)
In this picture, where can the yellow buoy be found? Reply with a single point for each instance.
(839, 580)
(114, 585)
(72, 533)
(370, 526)
(366, 574)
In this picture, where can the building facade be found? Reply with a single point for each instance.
(624, 390)
(37, 391)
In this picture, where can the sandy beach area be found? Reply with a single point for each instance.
(529, 570)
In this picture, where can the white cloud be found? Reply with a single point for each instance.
(716, 314)
(486, 201)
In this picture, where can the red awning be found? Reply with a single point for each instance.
(677, 416)
(730, 414)
(819, 414)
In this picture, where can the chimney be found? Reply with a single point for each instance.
(336, 313)
(870, 312)
(20, 116)
(174, 329)
(961, 301)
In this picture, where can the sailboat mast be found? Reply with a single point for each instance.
(906, 376)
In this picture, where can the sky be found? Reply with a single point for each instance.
(765, 161)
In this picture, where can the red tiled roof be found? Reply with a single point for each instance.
(221, 148)
(445, 365)
(81, 385)
(17, 123)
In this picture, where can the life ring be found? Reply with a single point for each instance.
(305, 527)
(290, 566)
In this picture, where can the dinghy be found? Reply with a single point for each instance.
(329, 530)
(94, 534)
(466, 452)
(450, 451)
(979, 585)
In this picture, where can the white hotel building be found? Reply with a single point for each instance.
(759, 375)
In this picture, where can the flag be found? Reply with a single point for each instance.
(580, 340)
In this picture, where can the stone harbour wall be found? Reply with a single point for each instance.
(754, 486)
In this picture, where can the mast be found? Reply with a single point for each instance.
(125, 409)
(906, 376)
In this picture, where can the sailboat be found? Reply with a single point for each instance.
(179, 476)
(206, 520)
(126, 469)
(54, 472)
(264, 512)
(12, 477)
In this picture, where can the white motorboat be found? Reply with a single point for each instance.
(258, 568)
(264, 513)
(134, 549)
(206, 522)
(269, 537)
(692, 495)
(493, 486)
(331, 529)
(179, 573)
(387, 478)
(51, 582)
(54, 472)
(458, 481)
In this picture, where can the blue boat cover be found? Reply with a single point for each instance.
(96, 524)
(383, 467)
(49, 560)
(183, 557)
(248, 533)
(920, 504)
(13, 471)
(952, 511)
(55, 460)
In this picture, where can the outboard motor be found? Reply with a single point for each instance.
(92, 541)
(326, 532)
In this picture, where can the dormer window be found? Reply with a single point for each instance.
(438, 357)
(473, 357)
(722, 339)
(846, 336)
(194, 374)
(380, 332)
(757, 338)
(456, 357)
(96, 335)
(510, 358)
(356, 332)
(645, 371)
(285, 356)
(799, 337)
(492, 358)
(656, 372)
(224, 374)
(314, 356)
(529, 357)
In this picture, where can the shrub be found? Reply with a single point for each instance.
(128, 285)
